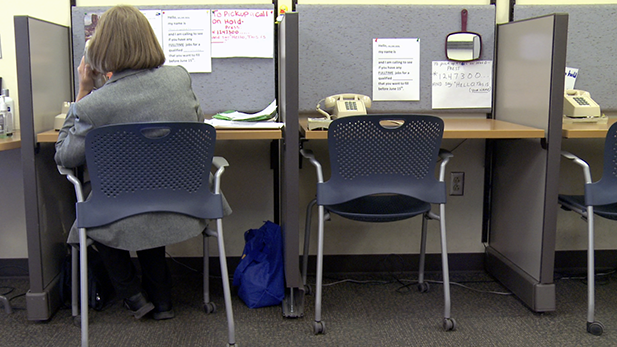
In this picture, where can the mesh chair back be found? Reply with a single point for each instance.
(149, 167)
(377, 154)
(604, 191)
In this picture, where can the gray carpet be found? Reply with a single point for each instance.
(356, 314)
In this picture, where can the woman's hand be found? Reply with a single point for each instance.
(86, 79)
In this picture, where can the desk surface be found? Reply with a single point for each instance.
(459, 128)
(221, 134)
(586, 130)
(10, 142)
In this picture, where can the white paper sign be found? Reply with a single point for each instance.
(571, 74)
(243, 33)
(396, 69)
(462, 85)
(186, 39)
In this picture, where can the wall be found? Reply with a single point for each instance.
(249, 170)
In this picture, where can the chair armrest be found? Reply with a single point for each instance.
(308, 154)
(445, 156)
(580, 162)
(220, 164)
(70, 175)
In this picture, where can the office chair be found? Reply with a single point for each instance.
(382, 170)
(600, 199)
(150, 167)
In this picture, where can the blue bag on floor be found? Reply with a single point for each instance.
(260, 276)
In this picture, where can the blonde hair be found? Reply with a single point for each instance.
(124, 39)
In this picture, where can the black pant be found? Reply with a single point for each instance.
(156, 277)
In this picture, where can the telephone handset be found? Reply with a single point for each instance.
(579, 105)
(345, 105)
(99, 78)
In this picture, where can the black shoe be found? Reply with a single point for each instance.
(163, 311)
(138, 305)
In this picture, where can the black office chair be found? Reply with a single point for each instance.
(382, 170)
(150, 167)
(600, 199)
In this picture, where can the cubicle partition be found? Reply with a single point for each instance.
(336, 48)
(293, 305)
(44, 82)
(528, 90)
(47, 59)
(238, 83)
(591, 46)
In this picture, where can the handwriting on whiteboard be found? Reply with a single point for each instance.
(243, 33)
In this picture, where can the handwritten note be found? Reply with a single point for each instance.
(396, 69)
(462, 85)
(243, 33)
(570, 80)
(186, 39)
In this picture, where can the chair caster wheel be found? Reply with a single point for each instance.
(449, 324)
(595, 328)
(319, 328)
(77, 320)
(308, 290)
(209, 307)
(423, 287)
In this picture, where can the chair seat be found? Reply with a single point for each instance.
(607, 211)
(380, 208)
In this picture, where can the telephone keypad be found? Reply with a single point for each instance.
(351, 106)
(581, 101)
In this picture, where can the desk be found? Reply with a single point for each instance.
(586, 130)
(457, 128)
(221, 134)
(10, 142)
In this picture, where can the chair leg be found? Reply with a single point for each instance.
(307, 239)
(448, 322)
(7, 306)
(75, 282)
(318, 325)
(593, 327)
(209, 307)
(225, 279)
(423, 286)
(83, 279)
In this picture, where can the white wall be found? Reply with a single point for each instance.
(248, 181)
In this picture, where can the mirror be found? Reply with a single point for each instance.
(463, 45)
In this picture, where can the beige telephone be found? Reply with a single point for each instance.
(345, 105)
(578, 106)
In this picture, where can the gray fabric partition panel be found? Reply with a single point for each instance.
(336, 47)
(591, 46)
(243, 84)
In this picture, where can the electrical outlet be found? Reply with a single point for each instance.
(457, 183)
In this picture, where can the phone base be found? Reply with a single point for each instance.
(318, 123)
(603, 119)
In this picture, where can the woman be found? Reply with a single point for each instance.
(140, 89)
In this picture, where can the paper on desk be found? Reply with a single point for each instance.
(227, 124)
(268, 113)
